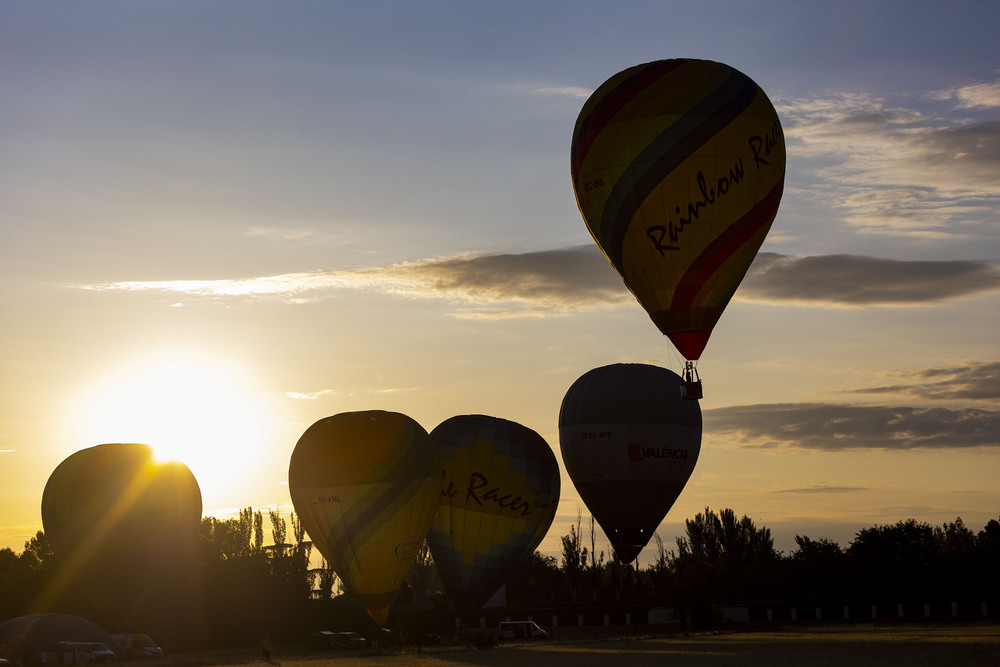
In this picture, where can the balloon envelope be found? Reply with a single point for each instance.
(630, 443)
(365, 485)
(678, 167)
(499, 493)
(118, 498)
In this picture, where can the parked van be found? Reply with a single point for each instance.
(139, 646)
(521, 630)
(82, 653)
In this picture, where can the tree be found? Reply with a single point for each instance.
(574, 558)
(722, 557)
(422, 576)
(279, 529)
(895, 559)
(258, 530)
(537, 580)
(712, 536)
(817, 567)
(327, 579)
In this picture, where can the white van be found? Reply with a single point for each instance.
(521, 630)
(82, 653)
(139, 646)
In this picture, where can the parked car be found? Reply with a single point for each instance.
(521, 630)
(348, 640)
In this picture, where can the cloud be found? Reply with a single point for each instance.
(566, 91)
(854, 280)
(832, 427)
(311, 396)
(896, 170)
(557, 282)
(499, 285)
(823, 488)
(977, 95)
(978, 381)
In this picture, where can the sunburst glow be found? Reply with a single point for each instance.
(192, 409)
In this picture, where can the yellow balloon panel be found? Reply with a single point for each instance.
(499, 491)
(678, 167)
(365, 485)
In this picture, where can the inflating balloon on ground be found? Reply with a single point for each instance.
(365, 485)
(499, 492)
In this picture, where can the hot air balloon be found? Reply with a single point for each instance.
(365, 485)
(499, 493)
(678, 167)
(118, 496)
(124, 529)
(630, 443)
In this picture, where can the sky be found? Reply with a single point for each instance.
(221, 222)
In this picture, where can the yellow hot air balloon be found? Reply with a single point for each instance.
(678, 168)
(499, 493)
(365, 485)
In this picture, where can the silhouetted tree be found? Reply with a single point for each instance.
(722, 558)
(815, 568)
(574, 558)
(537, 580)
(895, 559)
(422, 576)
(258, 529)
(326, 580)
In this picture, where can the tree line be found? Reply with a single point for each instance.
(237, 589)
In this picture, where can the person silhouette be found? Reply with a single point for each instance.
(265, 649)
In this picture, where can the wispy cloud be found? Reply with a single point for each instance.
(976, 95)
(977, 381)
(893, 169)
(823, 488)
(854, 280)
(557, 282)
(498, 285)
(832, 427)
(566, 91)
(313, 395)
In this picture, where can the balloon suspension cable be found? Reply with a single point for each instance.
(691, 388)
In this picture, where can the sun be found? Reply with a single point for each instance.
(194, 409)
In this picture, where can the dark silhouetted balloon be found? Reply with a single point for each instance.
(499, 493)
(630, 443)
(365, 485)
(678, 168)
(117, 498)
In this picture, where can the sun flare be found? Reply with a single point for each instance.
(199, 411)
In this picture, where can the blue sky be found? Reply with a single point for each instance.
(256, 215)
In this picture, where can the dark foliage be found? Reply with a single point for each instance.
(234, 590)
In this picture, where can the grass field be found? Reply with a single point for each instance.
(840, 645)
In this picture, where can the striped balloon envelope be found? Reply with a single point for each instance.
(365, 485)
(678, 167)
(499, 493)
